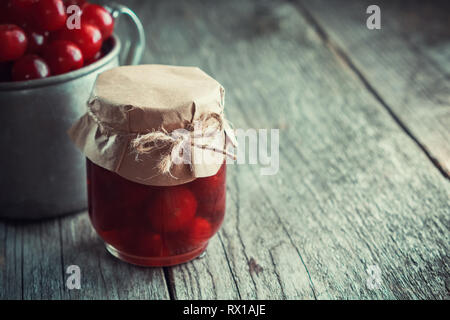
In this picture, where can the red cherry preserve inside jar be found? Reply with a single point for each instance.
(155, 225)
(150, 209)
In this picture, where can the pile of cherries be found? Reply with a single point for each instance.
(36, 42)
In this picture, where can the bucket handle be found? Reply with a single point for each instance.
(132, 52)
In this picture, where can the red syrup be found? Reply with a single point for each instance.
(155, 225)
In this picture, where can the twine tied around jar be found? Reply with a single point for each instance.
(139, 115)
(176, 142)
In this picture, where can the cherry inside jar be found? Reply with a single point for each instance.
(155, 225)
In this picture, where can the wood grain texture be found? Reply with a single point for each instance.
(406, 62)
(10, 262)
(353, 189)
(42, 271)
(34, 258)
(208, 277)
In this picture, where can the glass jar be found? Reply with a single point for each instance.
(156, 140)
(155, 225)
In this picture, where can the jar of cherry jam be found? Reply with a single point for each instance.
(155, 140)
(155, 225)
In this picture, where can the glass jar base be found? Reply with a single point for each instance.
(156, 261)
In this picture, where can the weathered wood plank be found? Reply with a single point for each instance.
(41, 257)
(407, 62)
(353, 189)
(10, 261)
(103, 276)
(207, 277)
(34, 258)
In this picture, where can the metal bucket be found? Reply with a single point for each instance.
(42, 174)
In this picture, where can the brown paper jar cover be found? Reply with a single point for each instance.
(129, 101)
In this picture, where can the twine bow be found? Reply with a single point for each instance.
(207, 127)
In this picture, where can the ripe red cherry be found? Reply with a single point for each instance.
(192, 236)
(172, 209)
(37, 41)
(13, 42)
(50, 15)
(29, 67)
(88, 38)
(199, 231)
(63, 56)
(97, 57)
(100, 17)
(150, 245)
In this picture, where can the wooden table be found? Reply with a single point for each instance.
(363, 183)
